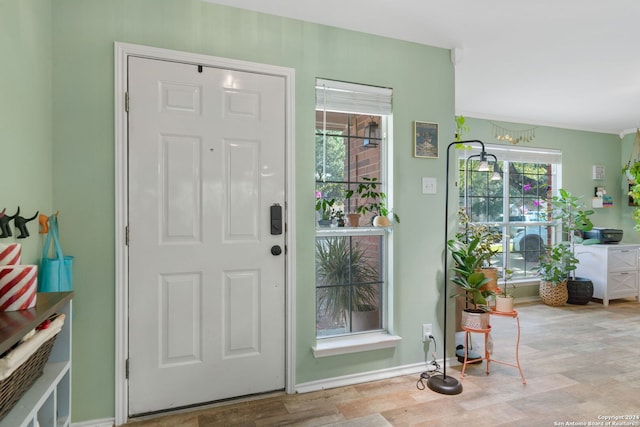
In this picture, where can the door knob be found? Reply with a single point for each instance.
(276, 250)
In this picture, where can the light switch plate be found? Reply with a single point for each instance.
(428, 185)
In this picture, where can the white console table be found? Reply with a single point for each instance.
(48, 402)
(614, 270)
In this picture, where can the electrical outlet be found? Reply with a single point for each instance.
(426, 331)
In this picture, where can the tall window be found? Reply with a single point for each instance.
(514, 197)
(351, 262)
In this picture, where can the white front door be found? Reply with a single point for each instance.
(206, 294)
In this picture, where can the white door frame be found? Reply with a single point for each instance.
(122, 52)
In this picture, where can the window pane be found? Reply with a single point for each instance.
(348, 284)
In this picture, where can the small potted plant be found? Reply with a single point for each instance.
(373, 201)
(325, 208)
(504, 299)
(554, 269)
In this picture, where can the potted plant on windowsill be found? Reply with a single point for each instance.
(373, 201)
(344, 278)
(325, 208)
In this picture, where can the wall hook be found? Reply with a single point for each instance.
(21, 224)
(5, 230)
(44, 222)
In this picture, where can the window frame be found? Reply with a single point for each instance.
(380, 338)
(506, 155)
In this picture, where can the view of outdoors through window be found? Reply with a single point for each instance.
(349, 260)
(514, 198)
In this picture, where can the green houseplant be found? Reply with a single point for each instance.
(470, 281)
(632, 172)
(344, 276)
(570, 211)
(373, 200)
(559, 262)
(325, 208)
(486, 249)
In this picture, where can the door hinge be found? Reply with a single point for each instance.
(126, 235)
(126, 102)
(126, 369)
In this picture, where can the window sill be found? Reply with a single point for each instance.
(351, 231)
(353, 344)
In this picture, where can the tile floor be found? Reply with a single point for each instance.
(581, 363)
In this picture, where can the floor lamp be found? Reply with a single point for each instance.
(442, 383)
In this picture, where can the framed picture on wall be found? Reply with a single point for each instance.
(425, 140)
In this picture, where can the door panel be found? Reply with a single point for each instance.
(206, 297)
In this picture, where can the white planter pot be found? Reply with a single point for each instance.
(475, 320)
(504, 304)
(381, 221)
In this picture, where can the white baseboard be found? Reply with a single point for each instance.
(364, 377)
(106, 422)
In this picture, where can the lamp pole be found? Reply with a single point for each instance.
(442, 383)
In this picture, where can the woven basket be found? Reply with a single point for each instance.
(552, 294)
(14, 386)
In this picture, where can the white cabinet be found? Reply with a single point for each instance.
(48, 402)
(613, 269)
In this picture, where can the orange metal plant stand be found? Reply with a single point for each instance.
(487, 354)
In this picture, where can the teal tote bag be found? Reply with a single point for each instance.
(56, 273)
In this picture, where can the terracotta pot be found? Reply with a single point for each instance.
(353, 220)
(554, 294)
(504, 304)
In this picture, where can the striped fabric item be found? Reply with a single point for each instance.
(18, 284)
(10, 254)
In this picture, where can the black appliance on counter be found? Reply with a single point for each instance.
(604, 235)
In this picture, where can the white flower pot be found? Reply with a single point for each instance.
(504, 304)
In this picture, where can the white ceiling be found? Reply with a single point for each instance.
(564, 63)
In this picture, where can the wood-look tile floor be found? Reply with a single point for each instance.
(581, 364)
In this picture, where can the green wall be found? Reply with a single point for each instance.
(25, 117)
(83, 35)
(580, 151)
(76, 113)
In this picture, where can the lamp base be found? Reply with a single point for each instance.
(444, 385)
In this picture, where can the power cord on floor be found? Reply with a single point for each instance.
(432, 367)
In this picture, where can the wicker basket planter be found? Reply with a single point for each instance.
(22, 366)
(554, 294)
